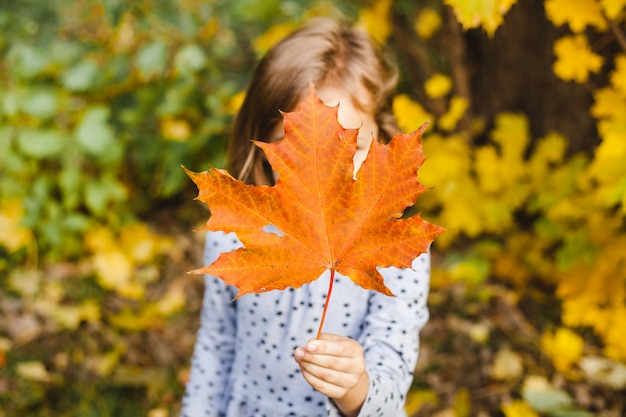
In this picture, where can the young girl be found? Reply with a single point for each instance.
(249, 360)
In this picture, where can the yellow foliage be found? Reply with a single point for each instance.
(427, 23)
(578, 14)
(235, 102)
(409, 114)
(608, 165)
(563, 347)
(488, 13)
(613, 8)
(507, 365)
(609, 103)
(614, 335)
(416, 399)
(138, 243)
(173, 301)
(14, 236)
(273, 35)
(34, 371)
(376, 20)
(438, 85)
(458, 106)
(575, 59)
(488, 169)
(518, 408)
(512, 134)
(462, 403)
(123, 263)
(210, 28)
(548, 150)
(175, 129)
(618, 76)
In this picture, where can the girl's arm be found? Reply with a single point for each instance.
(215, 343)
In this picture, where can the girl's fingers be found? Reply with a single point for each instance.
(331, 383)
(334, 345)
(332, 362)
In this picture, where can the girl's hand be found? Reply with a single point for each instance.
(335, 366)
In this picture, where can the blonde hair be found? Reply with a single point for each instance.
(323, 51)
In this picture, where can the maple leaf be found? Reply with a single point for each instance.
(324, 216)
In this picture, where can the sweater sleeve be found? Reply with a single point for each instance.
(390, 339)
(215, 343)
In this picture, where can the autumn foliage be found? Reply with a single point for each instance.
(101, 102)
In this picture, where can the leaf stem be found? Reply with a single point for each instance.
(330, 290)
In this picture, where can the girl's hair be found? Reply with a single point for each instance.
(323, 52)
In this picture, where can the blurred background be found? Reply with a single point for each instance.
(102, 101)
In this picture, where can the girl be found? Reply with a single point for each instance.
(247, 360)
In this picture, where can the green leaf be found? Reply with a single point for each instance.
(98, 194)
(26, 61)
(152, 59)
(40, 102)
(190, 58)
(545, 398)
(40, 143)
(81, 77)
(93, 133)
(9, 103)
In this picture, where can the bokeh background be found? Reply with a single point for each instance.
(102, 101)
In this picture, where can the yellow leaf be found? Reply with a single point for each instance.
(458, 106)
(100, 239)
(158, 412)
(512, 134)
(138, 243)
(609, 103)
(608, 165)
(14, 236)
(146, 318)
(518, 408)
(438, 85)
(235, 102)
(578, 14)
(448, 161)
(377, 20)
(209, 29)
(507, 365)
(417, 398)
(427, 23)
(486, 13)
(613, 8)
(462, 403)
(25, 281)
(273, 35)
(575, 59)
(488, 169)
(174, 300)
(564, 347)
(175, 129)
(618, 76)
(409, 114)
(34, 371)
(113, 268)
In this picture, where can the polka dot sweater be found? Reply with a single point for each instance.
(243, 364)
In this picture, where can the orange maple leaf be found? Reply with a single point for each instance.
(326, 218)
